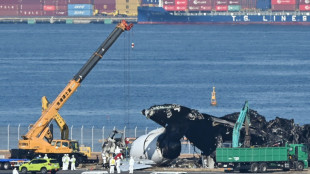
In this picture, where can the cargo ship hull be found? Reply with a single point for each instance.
(158, 15)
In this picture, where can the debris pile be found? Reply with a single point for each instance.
(208, 132)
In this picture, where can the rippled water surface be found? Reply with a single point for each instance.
(267, 65)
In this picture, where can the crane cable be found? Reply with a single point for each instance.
(127, 56)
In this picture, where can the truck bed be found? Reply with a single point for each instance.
(262, 154)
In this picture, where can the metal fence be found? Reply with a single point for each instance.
(86, 135)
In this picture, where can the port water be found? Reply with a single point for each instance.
(267, 65)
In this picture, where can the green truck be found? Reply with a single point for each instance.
(259, 159)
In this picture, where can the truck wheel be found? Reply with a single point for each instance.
(300, 166)
(254, 168)
(43, 170)
(263, 167)
(24, 170)
(6, 166)
(243, 170)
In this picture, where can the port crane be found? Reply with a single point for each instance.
(243, 117)
(39, 139)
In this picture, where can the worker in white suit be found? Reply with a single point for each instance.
(67, 160)
(15, 171)
(45, 156)
(131, 163)
(72, 160)
(118, 164)
(112, 164)
(63, 162)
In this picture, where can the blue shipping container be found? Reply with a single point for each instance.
(80, 6)
(80, 12)
(150, 1)
(263, 4)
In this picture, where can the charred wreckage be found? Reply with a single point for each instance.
(207, 132)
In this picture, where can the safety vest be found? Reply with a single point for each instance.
(112, 162)
(73, 160)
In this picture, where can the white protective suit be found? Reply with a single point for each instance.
(131, 163)
(45, 156)
(15, 171)
(67, 160)
(63, 162)
(118, 164)
(112, 165)
(72, 160)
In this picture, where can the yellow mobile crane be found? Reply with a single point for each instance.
(39, 139)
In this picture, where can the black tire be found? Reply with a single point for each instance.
(53, 172)
(43, 170)
(24, 170)
(263, 167)
(254, 168)
(6, 166)
(243, 170)
(299, 166)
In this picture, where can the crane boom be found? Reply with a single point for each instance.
(64, 129)
(48, 114)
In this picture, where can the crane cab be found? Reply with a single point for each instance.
(65, 146)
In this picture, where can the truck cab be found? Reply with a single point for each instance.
(298, 152)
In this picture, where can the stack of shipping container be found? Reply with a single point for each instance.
(49, 8)
(129, 7)
(304, 5)
(283, 5)
(61, 8)
(199, 5)
(263, 5)
(9, 8)
(208, 5)
(232, 5)
(151, 3)
(31, 8)
(105, 6)
(80, 9)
